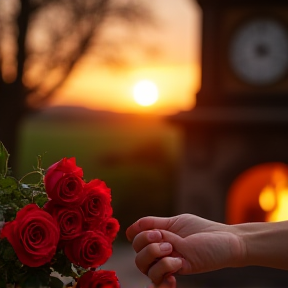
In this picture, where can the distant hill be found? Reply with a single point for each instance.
(82, 114)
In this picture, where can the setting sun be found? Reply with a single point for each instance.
(145, 92)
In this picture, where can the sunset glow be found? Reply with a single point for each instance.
(168, 54)
(104, 89)
(145, 92)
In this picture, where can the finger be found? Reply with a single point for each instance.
(180, 250)
(164, 268)
(168, 282)
(151, 254)
(145, 238)
(148, 223)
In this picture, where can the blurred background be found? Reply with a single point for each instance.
(95, 80)
(75, 79)
(148, 96)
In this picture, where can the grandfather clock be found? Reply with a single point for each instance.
(245, 59)
(240, 120)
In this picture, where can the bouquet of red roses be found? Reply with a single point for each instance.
(59, 227)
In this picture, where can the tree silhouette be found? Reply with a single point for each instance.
(41, 41)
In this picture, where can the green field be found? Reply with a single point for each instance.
(135, 155)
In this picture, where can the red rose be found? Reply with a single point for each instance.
(97, 203)
(91, 249)
(110, 228)
(34, 235)
(63, 182)
(96, 279)
(70, 220)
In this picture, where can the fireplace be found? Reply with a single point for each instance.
(259, 194)
(233, 170)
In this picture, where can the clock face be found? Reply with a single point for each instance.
(259, 51)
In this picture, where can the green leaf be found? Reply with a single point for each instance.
(2, 219)
(10, 266)
(32, 281)
(63, 265)
(56, 282)
(8, 184)
(4, 156)
(35, 277)
(40, 199)
(10, 197)
(7, 252)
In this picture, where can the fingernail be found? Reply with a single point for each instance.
(165, 246)
(154, 235)
(178, 261)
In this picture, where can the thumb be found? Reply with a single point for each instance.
(147, 223)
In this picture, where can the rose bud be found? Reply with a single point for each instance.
(90, 250)
(34, 235)
(110, 228)
(100, 278)
(63, 182)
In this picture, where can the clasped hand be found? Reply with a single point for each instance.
(184, 244)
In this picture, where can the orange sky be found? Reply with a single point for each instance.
(175, 71)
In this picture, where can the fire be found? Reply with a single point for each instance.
(267, 199)
(273, 199)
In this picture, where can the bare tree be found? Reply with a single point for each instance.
(41, 41)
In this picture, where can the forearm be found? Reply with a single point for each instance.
(266, 244)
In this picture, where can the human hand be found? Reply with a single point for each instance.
(183, 244)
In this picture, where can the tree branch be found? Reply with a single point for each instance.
(71, 37)
(86, 36)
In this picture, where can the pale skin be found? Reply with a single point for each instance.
(187, 244)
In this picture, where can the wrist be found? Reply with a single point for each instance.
(263, 244)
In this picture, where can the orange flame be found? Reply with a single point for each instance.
(273, 199)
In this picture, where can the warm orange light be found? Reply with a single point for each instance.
(259, 194)
(267, 199)
(281, 212)
(145, 92)
(106, 90)
(274, 199)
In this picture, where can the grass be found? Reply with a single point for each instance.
(137, 159)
